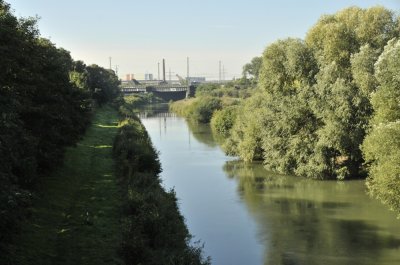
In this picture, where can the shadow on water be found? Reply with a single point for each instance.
(310, 222)
(202, 133)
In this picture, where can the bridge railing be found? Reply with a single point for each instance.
(169, 89)
(157, 88)
(132, 89)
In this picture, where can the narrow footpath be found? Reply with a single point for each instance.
(75, 219)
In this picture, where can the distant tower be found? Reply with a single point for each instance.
(163, 67)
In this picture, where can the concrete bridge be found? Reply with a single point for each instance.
(164, 91)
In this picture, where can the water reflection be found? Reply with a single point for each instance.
(309, 222)
(201, 132)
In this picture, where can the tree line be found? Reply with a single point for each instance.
(46, 101)
(328, 106)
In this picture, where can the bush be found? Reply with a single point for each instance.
(222, 120)
(203, 108)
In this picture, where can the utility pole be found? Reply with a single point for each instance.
(223, 72)
(110, 62)
(158, 77)
(116, 70)
(219, 72)
(187, 78)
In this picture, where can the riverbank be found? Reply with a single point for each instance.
(154, 231)
(105, 205)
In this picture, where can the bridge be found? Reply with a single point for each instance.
(149, 114)
(164, 91)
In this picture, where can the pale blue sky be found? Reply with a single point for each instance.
(138, 34)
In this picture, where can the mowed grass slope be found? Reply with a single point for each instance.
(76, 216)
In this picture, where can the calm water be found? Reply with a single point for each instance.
(245, 215)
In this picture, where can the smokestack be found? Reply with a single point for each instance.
(163, 69)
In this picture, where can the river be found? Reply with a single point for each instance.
(246, 215)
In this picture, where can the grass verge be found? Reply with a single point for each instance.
(76, 215)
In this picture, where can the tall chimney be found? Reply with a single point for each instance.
(163, 69)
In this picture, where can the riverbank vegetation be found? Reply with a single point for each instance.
(326, 107)
(154, 231)
(212, 97)
(46, 103)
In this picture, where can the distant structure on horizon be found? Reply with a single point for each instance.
(196, 79)
(145, 77)
(148, 77)
(129, 77)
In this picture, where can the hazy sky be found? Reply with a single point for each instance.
(138, 34)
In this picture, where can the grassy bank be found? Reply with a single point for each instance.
(105, 205)
(76, 215)
(154, 231)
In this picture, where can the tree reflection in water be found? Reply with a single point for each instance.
(310, 222)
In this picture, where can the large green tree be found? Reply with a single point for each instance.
(314, 105)
(103, 83)
(346, 46)
(272, 124)
(381, 147)
(45, 105)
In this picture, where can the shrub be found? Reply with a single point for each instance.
(222, 120)
(203, 108)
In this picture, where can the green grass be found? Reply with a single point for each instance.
(76, 215)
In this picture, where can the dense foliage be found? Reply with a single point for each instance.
(212, 97)
(382, 145)
(240, 88)
(312, 111)
(222, 120)
(154, 231)
(45, 105)
(198, 109)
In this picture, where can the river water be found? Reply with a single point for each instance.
(246, 215)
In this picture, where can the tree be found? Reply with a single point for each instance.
(336, 37)
(346, 46)
(103, 83)
(362, 69)
(252, 69)
(382, 144)
(312, 113)
(266, 127)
